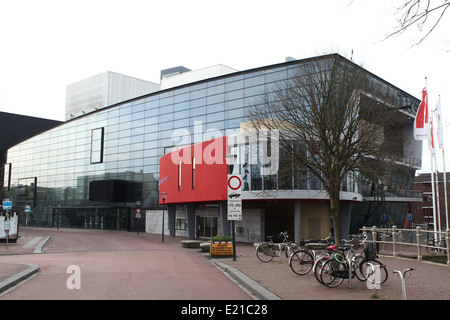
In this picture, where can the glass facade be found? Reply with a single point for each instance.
(90, 171)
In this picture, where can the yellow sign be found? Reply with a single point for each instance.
(221, 248)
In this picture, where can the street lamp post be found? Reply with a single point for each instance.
(137, 216)
(163, 197)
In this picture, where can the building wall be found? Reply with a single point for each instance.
(103, 90)
(423, 211)
(192, 174)
(315, 220)
(137, 133)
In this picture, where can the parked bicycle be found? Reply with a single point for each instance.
(303, 260)
(335, 249)
(340, 267)
(436, 246)
(266, 251)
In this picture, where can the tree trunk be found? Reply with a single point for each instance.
(336, 215)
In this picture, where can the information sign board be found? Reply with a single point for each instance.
(234, 201)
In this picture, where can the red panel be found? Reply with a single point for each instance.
(210, 173)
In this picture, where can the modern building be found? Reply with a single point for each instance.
(422, 212)
(103, 90)
(96, 169)
(16, 128)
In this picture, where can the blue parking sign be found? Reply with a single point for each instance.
(7, 204)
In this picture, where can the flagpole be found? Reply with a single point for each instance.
(438, 204)
(445, 188)
(433, 190)
(440, 136)
(441, 144)
(432, 155)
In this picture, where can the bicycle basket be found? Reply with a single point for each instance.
(277, 238)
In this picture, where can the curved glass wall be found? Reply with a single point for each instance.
(99, 165)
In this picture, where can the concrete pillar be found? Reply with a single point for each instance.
(297, 221)
(171, 209)
(190, 214)
(224, 219)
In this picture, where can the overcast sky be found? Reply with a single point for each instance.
(48, 44)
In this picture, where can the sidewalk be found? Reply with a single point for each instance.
(12, 274)
(429, 281)
(272, 280)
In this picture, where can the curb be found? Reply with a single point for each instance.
(41, 245)
(15, 279)
(255, 288)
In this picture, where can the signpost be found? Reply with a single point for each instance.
(234, 202)
(234, 205)
(7, 227)
(138, 213)
(7, 204)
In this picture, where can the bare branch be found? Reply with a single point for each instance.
(418, 13)
(331, 126)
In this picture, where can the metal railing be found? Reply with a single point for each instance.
(407, 241)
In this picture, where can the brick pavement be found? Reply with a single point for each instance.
(428, 282)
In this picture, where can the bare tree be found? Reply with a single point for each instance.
(425, 14)
(335, 121)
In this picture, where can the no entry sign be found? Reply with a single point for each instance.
(234, 201)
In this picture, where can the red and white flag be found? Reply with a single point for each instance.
(422, 122)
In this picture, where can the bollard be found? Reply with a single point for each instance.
(373, 278)
(279, 250)
(402, 279)
(394, 241)
(447, 240)
(419, 254)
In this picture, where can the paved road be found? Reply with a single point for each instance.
(121, 265)
(117, 265)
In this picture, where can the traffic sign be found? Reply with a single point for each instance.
(7, 204)
(234, 201)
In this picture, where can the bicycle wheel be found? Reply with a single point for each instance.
(364, 266)
(358, 260)
(318, 264)
(434, 249)
(265, 252)
(331, 271)
(291, 248)
(301, 262)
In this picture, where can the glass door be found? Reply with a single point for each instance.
(206, 227)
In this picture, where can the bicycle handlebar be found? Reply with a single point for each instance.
(348, 242)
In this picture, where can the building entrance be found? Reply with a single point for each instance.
(106, 218)
(206, 227)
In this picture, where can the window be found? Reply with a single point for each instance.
(97, 145)
(179, 175)
(193, 173)
(181, 224)
(7, 176)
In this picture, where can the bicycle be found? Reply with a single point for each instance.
(436, 245)
(335, 249)
(340, 267)
(266, 251)
(302, 261)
